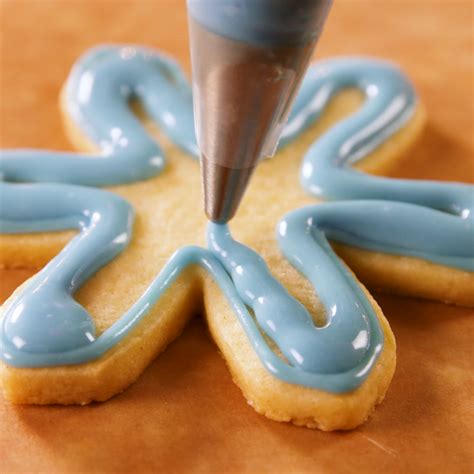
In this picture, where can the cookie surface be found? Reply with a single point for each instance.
(167, 217)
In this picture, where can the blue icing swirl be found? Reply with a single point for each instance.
(97, 97)
(45, 317)
(44, 326)
(390, 102)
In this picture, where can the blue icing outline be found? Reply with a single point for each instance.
(337, 357)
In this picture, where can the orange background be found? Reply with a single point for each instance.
(185, 414)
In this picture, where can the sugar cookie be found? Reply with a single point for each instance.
(329, 376)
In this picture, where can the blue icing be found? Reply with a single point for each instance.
(45, 318)
(397, 228)
(390, 101)
(351, 335)
(26, 333)
(262, 22)
(44, 326)
(97, 96)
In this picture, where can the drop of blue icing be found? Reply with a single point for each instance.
(53, 325)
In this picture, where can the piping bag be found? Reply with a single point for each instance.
(248, 59)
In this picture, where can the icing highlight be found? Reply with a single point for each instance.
(336, 357)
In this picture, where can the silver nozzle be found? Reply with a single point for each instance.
(223, 189)
(243, 90)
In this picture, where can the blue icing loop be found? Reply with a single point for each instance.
(398, 229)
(390, 102)
(429, 220)
(344, 340)
(97, 97)
(45, 317)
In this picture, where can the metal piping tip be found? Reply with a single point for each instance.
(223, 189)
